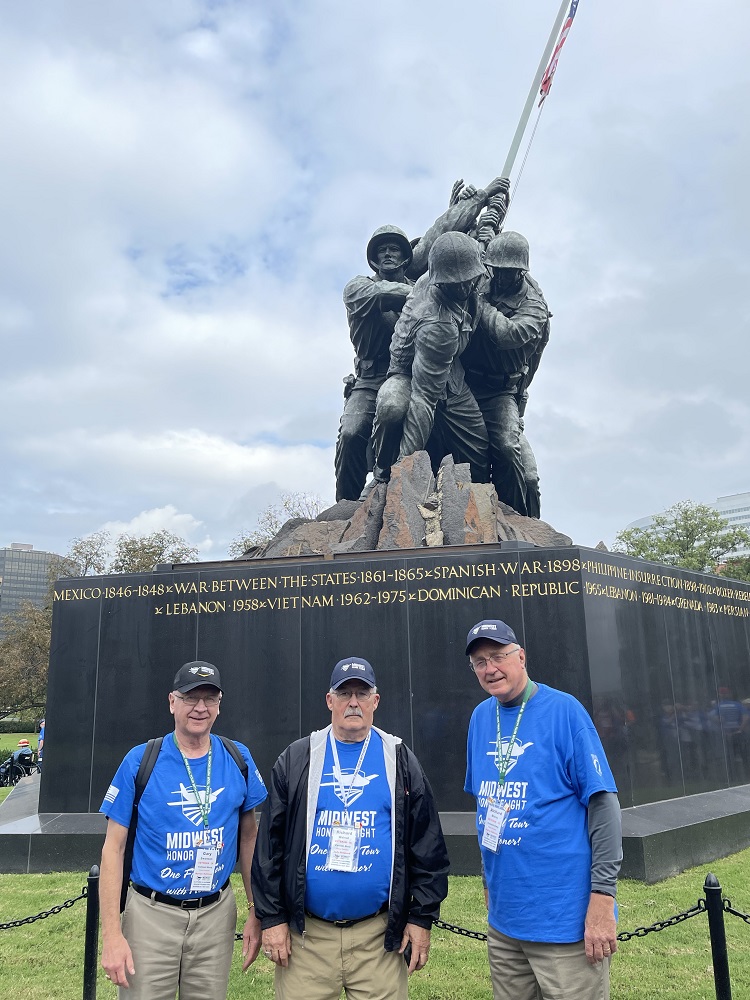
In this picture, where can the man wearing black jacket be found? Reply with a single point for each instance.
(350, 865)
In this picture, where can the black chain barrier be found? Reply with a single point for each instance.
(728, 908)
(45, 913)
(476, 935)
(662, 925)
(715, 905)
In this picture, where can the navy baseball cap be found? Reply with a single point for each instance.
(352, 668)
(492, 629)
(197, 673)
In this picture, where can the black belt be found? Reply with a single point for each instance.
(184, 904)
(349, 923)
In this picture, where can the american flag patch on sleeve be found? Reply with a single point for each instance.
(112, 793)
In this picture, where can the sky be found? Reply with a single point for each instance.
(186, 187)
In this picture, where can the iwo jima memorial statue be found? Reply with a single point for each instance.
(436, 526)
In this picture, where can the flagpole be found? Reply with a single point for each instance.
(526, 113)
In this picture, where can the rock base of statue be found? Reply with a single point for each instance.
(414, 509)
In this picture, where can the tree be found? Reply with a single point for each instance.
(738, 568)
(86, 556)
(690, 535)
(24, 652)
(272, 517)
(24, 658)
(142, 554)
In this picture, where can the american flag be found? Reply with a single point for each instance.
(549, 72)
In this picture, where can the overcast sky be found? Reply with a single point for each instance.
(187, 185)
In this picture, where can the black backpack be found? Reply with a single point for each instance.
(148, 760)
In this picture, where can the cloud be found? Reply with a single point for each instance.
(186, 188)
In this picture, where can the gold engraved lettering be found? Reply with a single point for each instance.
(326, 601)
(550, 589)
(77, 594)
(508, 568)
(454, 572)
(611, 591)
(458, 593)
(533, 567)
(281, 603)
(193, 608)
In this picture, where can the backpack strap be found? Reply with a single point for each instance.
(141, 780)
(234, 751)
(231, 747)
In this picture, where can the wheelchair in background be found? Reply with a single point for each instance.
(17, 766)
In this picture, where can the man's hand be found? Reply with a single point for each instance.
(456, 192)
(486, 235)
(277, 944)
(600, 936)
(499, 185)
(419, 938)
(117, 960)
(251, 934)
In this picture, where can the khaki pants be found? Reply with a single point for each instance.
(334, 958)
(174, 949)
(525, 970)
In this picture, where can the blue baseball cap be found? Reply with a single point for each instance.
(352, 668)
(492, 629)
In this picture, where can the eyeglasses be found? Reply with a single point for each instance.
(494, 658)
(361, 694)
(210, 701)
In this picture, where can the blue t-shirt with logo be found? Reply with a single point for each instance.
(170, 825)
(539, 879)
(337, 895)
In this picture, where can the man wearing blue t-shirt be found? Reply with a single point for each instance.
(351, 866)
(177, 931)
(548, 820)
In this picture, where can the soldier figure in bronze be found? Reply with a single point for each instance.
(373, 304)
(500, 361)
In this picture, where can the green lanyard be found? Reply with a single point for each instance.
(205, 806)
(502, 763)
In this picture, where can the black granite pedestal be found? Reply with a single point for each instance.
(660, 658)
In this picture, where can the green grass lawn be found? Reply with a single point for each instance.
(43, 961)
(9, 742)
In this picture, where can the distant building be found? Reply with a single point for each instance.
(735, 510)
(24, 576)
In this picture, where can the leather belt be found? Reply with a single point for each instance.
(184, 904)
(348, 923)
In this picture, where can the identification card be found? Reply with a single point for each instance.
(205, 869)
(343, 849)
(494, 824)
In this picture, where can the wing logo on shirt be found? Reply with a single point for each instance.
(343, 787)
(189, 803)
(519, 748)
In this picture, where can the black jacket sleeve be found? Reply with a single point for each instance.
(427, 856)
(270, 849)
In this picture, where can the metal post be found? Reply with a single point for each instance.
(91, 946)
(715, 910)
(534, 90)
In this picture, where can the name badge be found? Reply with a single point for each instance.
(343, 849)
(494, 824)
(205, 869)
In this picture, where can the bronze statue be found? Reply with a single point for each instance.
(441, 415)
(501, 360)
(373, 304)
